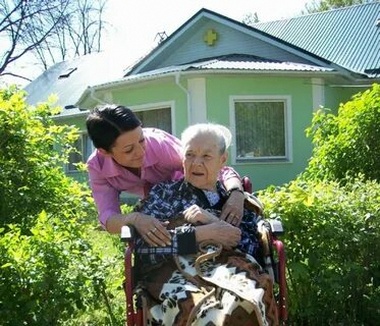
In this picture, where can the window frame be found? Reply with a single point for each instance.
(286, 99)
(157, 106)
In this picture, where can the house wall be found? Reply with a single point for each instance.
(78, 121)
(299, 90)
(146, 95)
(336, 95)
(215, 91)
(189, 96)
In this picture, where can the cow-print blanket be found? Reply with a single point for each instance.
(230, 289)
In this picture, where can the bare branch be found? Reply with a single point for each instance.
(16, 75)
(50, 30)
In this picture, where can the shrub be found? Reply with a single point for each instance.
(347, 143)
(54, 268)
(332, 246)
(31, 170)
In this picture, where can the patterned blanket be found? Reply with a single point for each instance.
(214, 288)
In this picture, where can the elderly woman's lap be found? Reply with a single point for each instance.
(227, 290)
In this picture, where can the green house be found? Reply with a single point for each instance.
(263, 82)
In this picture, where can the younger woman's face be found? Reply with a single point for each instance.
(129, 149)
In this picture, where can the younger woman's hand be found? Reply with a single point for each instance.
(153, 231)
(233, 209)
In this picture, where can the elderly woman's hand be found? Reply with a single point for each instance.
(195, 214)
(233, 209)
(225, 234)
(153, 231)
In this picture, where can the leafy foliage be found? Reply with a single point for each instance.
(331, 216)
(31, 170)
(333, 244)
(347, 143)
(53, 271)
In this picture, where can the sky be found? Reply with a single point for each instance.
(137, 22)
(134, 24)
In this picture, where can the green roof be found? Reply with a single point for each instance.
(348, 37)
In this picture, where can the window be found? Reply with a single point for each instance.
(261, 130)
(84, 149)
(157, 118)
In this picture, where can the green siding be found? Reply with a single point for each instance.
(219, 90)
(335, 96)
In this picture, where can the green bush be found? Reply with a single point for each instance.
(347, 143)
(331, 216)
(55, 268)
(31, 170)
(332, 246)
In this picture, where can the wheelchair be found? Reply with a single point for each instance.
(274, 263)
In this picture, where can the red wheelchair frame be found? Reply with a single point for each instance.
(134, 311)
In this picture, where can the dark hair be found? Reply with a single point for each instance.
(106, 123)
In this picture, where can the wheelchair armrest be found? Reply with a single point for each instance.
(127, 233)
(276, 226)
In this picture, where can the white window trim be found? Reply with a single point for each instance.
(157, 106)
(288, 127)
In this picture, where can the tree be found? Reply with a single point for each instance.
(79, 33)
(31, 170)
(332, 244)
(250, 19)
(50, 30)
(323, 5)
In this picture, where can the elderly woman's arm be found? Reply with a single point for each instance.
(185, 240)
(220, 232)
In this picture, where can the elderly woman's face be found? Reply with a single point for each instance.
(202, 162)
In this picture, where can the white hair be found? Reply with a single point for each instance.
(221, 133)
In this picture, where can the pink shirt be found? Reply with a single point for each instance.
(162, 162)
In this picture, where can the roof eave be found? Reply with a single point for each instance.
(74, 115)
(135, 79)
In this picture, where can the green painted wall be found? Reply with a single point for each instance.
(219, 88)
(163, 90)
(335, 96)
(79, 122)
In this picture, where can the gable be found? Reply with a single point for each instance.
(188, 44)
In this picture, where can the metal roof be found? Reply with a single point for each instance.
(249, 62)
(349, 37)
(228, 63)
(69, 79)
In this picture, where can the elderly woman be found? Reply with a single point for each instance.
(208, 274)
